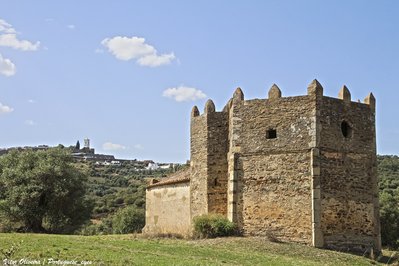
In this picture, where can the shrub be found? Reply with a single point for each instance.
(103, 228)
(89, 230)
(119, 201)
(213, 225)
(128, 220)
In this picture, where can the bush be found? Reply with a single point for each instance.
(213, 225)
(128, 220)
(103, 228)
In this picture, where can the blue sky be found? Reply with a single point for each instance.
(127, 73)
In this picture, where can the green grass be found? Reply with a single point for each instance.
(134, 250)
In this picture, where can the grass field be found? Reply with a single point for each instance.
(134, 250)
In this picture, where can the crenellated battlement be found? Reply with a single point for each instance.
(315, 89)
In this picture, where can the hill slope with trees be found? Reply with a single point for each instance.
(388, 174)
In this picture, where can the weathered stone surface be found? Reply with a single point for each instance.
(370, 100)
(209, 107)
(198, 165)
(238, 94)
(344, 94)
(217, 162)
(274, 92)
(348, 176)
(195, 112)
(273, 177)
(168, 209)
(276, 196)
(315, 88)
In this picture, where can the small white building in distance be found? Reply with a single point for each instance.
(152, 166)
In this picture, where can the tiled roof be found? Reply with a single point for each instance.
(178, 177)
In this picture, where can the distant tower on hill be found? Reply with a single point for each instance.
(87, 143)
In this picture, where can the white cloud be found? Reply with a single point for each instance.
(6, 27)
(4, 109)
(125, 48)
(8, 38)
(11, 40)
(182, 93)
(30, 123)
(7, 68)
(156, 60)
(71, 26)
(138, 147)
(109, 146)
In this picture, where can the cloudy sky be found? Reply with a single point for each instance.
(126, 73)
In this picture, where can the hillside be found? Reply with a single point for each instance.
(132, 250)
(388, 174)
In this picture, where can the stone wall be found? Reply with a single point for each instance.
(291, 117)
(349, 195)
(168, 209)
(276, 196)
(209, 146)
(271, 177)
(217, 162)
(198, 165)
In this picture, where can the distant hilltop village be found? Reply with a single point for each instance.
(88, 154)
(85, 153)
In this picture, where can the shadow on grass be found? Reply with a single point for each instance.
(389, 260)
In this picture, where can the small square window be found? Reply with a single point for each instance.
(271, 134)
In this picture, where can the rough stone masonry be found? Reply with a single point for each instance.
(300, 169)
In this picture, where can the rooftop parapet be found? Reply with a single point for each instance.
(195, 111)
(370, 100)
(209, 107)
(344, 94)
(228, 105)
(238, 95)
(274, 92)
(315, 88)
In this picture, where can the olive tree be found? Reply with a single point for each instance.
(42, 191)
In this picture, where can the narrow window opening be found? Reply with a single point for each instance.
(271, 134)
(346, 129)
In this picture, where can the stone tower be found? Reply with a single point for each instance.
(299, 168)
(209, 147)
(87, 143)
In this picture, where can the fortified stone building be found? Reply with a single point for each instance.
(301, 169)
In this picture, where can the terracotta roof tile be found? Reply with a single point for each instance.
(178, 177)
